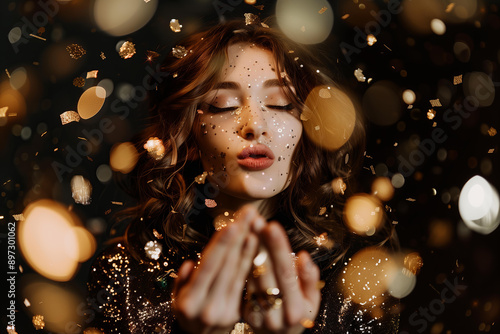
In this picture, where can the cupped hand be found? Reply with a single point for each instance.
(207, 299)
(282, 297)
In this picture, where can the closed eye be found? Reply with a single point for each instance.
(285, 107)
(214, 109)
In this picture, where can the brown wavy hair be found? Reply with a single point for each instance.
(168, 199)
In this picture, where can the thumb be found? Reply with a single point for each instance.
(183, 275)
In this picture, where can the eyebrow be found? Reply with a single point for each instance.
(234, 85)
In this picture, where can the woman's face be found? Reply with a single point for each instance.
(247, 129)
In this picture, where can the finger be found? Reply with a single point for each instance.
(280, 251)
(309, 278)
(214, 254)
(248, 252)
(183, 274)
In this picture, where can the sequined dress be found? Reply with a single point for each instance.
(131, 296)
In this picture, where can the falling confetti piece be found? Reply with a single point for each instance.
(457, 79)
(264, 25)
(345, 16)
(210, 203)
(371, 39)
(69, 116)
(92, 74)
(322, 210)
(7, 72)
(409, 199)
(175, 76)
(157, 234)
(491, 150)
(3, 111)
(151, 55)
(431, 114)
(103, 56)
(155, 148)
(18, 217)
(116, 203)
(81, 190)
(38, 321)
(79, 82)
(175, 26)
(38, 37)
(492, 131)
(251, 19)
(179, 51)
(75, 51)
(435, 103)
(339, 186)
(322, 10)
(27, 302)
(127, 50)
(450, 7)
(358, 73)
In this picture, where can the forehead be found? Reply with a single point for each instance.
(248, 60)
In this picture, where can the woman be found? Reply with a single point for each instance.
(229, 189)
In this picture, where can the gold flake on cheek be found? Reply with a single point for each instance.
(127, 50)
(75, 51)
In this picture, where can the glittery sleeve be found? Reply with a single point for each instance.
(107, 282)
(339, 314)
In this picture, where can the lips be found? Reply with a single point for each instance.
(257, 157)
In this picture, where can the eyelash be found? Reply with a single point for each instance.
(214, 109)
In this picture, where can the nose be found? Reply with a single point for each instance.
(254, 122)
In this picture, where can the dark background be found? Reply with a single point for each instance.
(425, 208)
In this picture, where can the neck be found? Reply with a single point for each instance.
(228, 203)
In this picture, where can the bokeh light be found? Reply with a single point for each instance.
(50, 242)
(91, 102)
(363, 214)
(305, 22)
(382, 188)
(123, 17)
(330, 117)
(479, 205)
(123, 157)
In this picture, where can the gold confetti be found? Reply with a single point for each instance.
(151, 55)
(127, 50)
(434, 124)
(27, 302)
(345, 16)
(457, 79)
(339, 186)
(175, 76)
(251, 19)
(69, 116)
(75, 51)
(413, 262)
(92, 74)
(7, 72)
(450, 7)
(116, 203)
(18, 217)
(358, 73)
(371, 39)
(264, 25)
(409, 199)
(38, 321)
(200, 179)
(175, 26)
(103, 56)
(155, 148)
(3, 111)
(491, 150)
(260, 7)
(322, 10)
(435, 103)
(79, 82)
(41, 30)
(431, 114)
(210, 203)
(40, 38)
(492, 131)
(322, 210)
(157, 234)
(179, 51)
